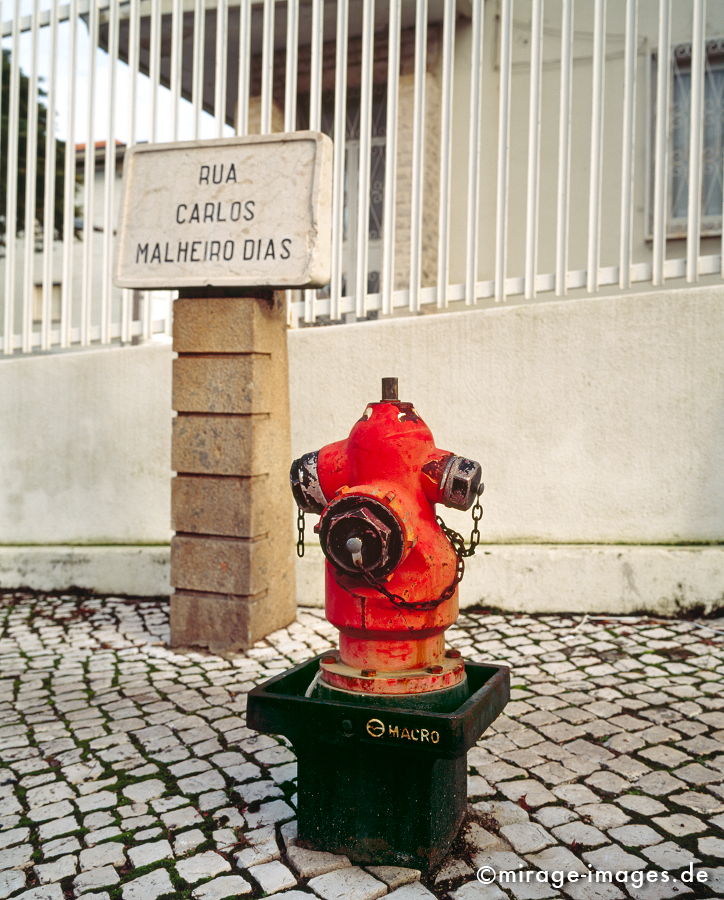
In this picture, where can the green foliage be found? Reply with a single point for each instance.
(44, 122)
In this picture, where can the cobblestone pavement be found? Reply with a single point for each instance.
(126, 769)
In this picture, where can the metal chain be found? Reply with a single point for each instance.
(300, 532)
(461, 551)
(457, 539)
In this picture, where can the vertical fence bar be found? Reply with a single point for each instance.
(49, 187)
(388, 212)
(222, 26)
(197, 69)
(31, 163)
(661, 145)
(596, 150)
(109, 176)
(177, 24)
(564, 148)
(66, 289)
(2, 79)
(418, 154)
(365, 143)
(155, 78)
(292, 62)
(155, 65)
(89, 161)
(532, 193)
(501, 191)
(290, 105)
(134, 34)
(6, 297)
(267, 68)
(696, 128)
(474, 156)
(242, 90)
(628, 141)
(340, 132)
(443, 225)
(315, 109)
(315, 75)
(11, 188)
(134, 30)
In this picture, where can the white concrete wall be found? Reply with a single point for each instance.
(85, 447)
(594, 420)
(597, 422)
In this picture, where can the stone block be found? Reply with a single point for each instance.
(230, 506)
(227, 445)
(239, 384)
(229, 324)
(220, 565)
(224, 623)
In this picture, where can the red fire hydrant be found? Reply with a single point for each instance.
(392, 566)
(381, 727)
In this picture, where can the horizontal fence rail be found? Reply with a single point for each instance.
(498, 151)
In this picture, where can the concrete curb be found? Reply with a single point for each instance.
(137, 571)
(531, 578)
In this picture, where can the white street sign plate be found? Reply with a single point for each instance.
(242, 212)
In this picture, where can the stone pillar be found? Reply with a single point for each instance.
(232, 571)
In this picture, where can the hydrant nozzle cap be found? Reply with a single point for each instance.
(389, 389)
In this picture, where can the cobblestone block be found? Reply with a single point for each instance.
(60, 847)
(203, 865)
(16, 857)
(273, 877)
(46, 892)
(394, 876)
(187, 841)
(579, 834)
(527, 837)
(52, 811)
(413, 891)
(108, 854)
(145, 790)
(635, 835)
(181, 818)
(145, 854)
(148, 887)
(222, 887)
(95, 878)
(56, 827)
(11, 881)
(669, 856)
(63, 867)
(351, 883)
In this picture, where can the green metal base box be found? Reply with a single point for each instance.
(382, 784)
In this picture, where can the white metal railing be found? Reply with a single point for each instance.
(484, 151)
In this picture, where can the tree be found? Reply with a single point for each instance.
(22, 141)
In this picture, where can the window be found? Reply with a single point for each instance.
(351, 183)
(712, 139)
